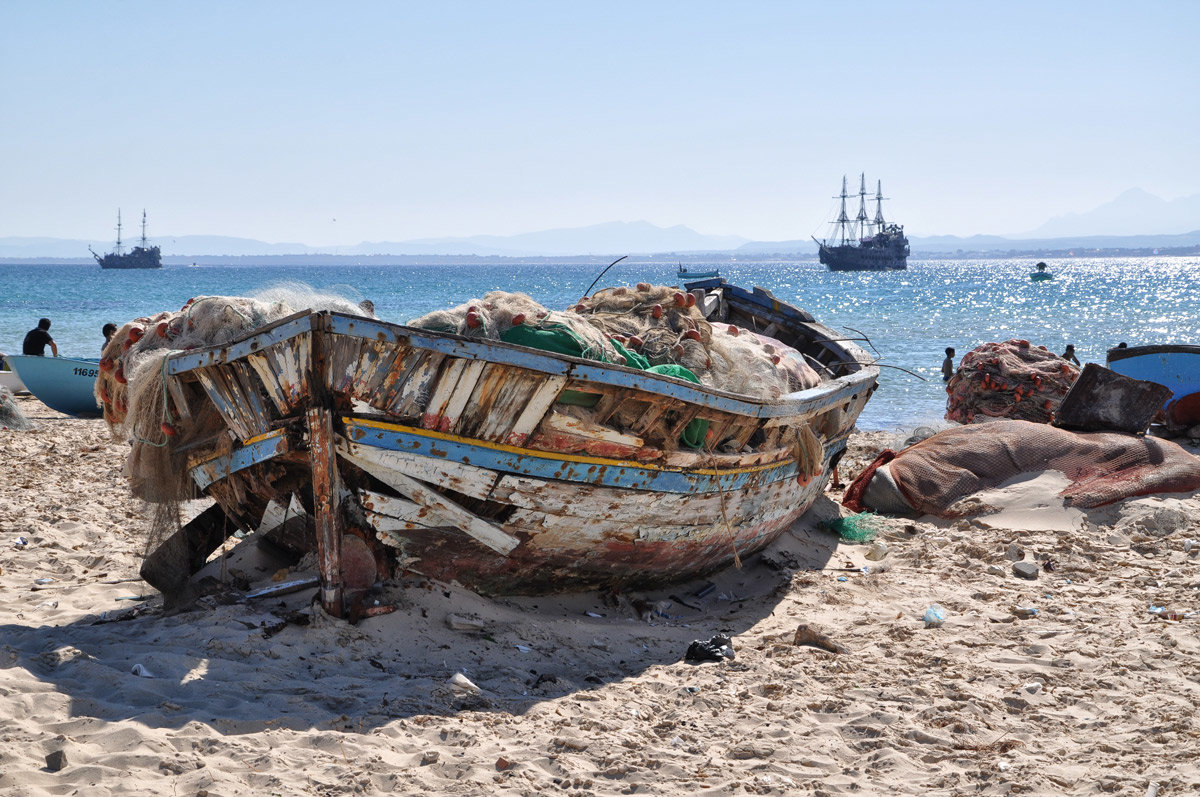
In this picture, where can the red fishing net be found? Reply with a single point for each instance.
(1008, 380)
(1103, 467)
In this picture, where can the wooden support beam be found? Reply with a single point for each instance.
(328, 515)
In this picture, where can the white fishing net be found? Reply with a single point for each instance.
(661, 323)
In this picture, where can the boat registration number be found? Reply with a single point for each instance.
(91, 373)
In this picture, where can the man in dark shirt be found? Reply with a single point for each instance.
(37, 338)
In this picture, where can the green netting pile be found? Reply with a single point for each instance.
(858, 528)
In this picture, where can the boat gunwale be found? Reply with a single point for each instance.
(610, 374)
(1129, 352)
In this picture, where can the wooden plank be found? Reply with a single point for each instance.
(270, 382)
(575, 532)
(413, 397)
(448, 418)
(441, 392)
(214, 386)
(535, 409)
(179, 401)
(326, 487)
(496, 402)
(461, 518)
(393, 508)
(251, 397)
(569, 424)
(382, 462)
(650, 417)
(617, 505)
(399, 370)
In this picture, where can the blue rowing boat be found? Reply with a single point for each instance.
(61, 383)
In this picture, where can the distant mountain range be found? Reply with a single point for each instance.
(1134, 220)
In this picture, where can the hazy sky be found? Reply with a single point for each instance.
(333, 123)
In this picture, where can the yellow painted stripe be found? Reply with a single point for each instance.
(533, 452)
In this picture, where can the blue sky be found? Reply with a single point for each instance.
(335, 123)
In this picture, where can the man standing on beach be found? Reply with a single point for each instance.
(948, 364)
(37, 338)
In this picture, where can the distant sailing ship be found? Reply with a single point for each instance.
(861, 243)
(139, 257)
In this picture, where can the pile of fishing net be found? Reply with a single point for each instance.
(650, 327)
(131, 385)
(935, 475)
(1008, 380)
(11, 416)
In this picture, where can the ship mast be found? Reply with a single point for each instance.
(843, 219)
(879, 197)
(119, 231)
(143, 228)
(862, 218)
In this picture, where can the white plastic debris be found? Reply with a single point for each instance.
(462, 683)
(140, 670)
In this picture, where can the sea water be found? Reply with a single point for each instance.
(904, 318)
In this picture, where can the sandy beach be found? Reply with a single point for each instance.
(1081, 681)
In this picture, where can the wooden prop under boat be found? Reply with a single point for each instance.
(460, 458)
(61, 383)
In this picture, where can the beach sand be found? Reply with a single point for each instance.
(590, 693)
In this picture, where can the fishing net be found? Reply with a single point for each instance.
(11, 416)
(1012, 379)
(651, 327)
(856, 528)
(933, 476)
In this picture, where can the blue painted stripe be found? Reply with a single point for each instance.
(562, 467)
(256, 450)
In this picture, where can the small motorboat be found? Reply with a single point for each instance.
(1175, 365)
(61, 383)
(1041, 275)
(684, 274)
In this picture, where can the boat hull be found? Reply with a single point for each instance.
(139, 258)
(857, 258)
(61, 383)
(10, 380)
(1177, 366)
(463, 460)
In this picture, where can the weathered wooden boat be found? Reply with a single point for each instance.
(1177, 366)
(61, 383)
(475, 461)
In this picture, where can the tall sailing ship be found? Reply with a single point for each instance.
(141, 256)
(862, 243)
